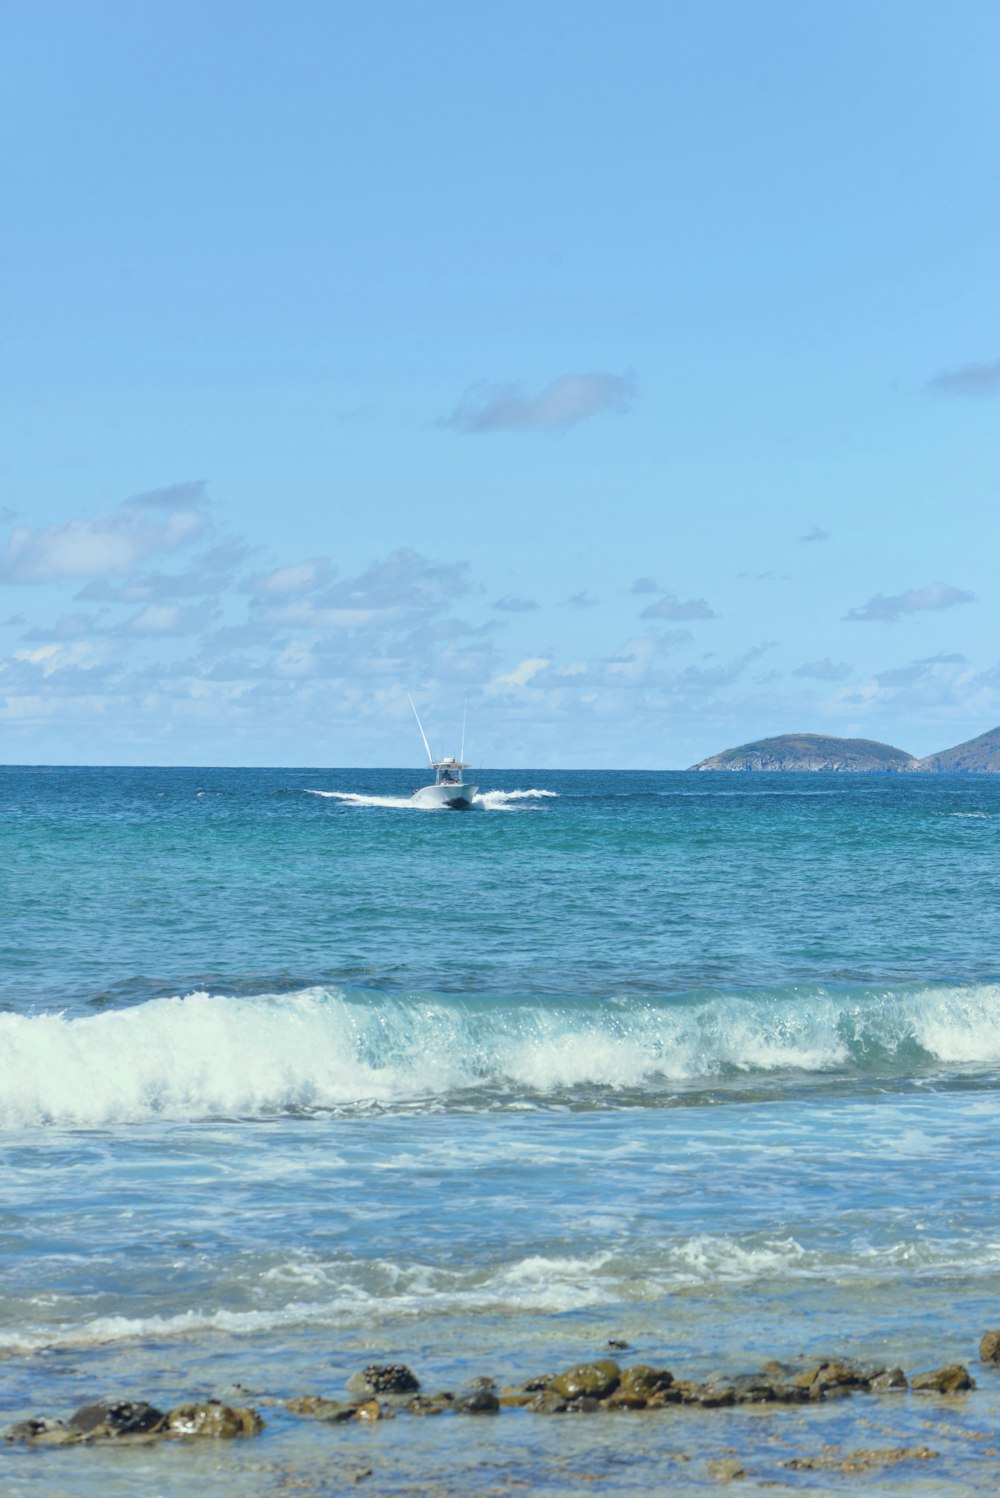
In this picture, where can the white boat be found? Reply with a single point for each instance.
(449, 789)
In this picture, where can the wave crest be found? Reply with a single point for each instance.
(206, 1054)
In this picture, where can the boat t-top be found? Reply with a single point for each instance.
(449, 789)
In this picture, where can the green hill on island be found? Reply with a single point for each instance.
(810, 751)
(817, 751)
(975, 757)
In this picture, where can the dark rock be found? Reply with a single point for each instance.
(482, 1382)
(584, 1404)
(726, 1468)
(536, 1384)
(951, 1380)
(755, 1388)
(823, 1379)
(644, 1380)
(43, 1432)
(547, 1402)
(318, 1408)
(590, 1380)
(384, 1378)
(789, 1393)
(477, 1402)
(715, 1396)
(890, 1381)
(989, 1347)
(213, 1420)
(117, 1417)
(861, 1461)
(430, 1404)
(371, 1410)
(625, 1399)
(663, 1397)
(617, 1344)
(708, 1396)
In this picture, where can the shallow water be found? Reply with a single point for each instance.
(295, 1076)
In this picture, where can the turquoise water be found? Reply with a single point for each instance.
(294, 1077)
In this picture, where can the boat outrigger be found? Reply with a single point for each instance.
(449, 789)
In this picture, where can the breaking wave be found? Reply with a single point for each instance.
(208, 1055)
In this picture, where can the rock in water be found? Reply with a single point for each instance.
(989, 1347)
(213, 1420)
(726, 1469)
(429, 1404)
(954, 1379)
(371, 1410)
(593, 1380)
(43, 1432)
(318, 1408)
(891, 1381)
(117, 1417)
(383, 1378)
(477, 1402)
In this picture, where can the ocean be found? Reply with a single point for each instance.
(296, 1078)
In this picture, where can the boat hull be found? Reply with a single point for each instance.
(454, 797)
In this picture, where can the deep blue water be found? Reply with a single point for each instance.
(293, 1074)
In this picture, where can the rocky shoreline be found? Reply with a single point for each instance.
(383, 1391)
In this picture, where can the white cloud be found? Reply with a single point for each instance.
(639, 662)
(189, 495)
(522, 672)
(976, 380)
(512, 603)
(66, 627)
(81, 655)
(168, 619)
(563, 404)
(105, 544)
(301, 577)
(306, 614)
(209, 572)
(888, 610)
(672, 607)
(825, 670)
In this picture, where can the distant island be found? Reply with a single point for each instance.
(817, 751)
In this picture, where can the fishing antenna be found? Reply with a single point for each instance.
(465, 714)
(430, 757)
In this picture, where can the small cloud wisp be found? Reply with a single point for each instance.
(888, 610)
(564, 403)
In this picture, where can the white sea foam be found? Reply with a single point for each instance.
(340, 1294)
(539, 1283)
(208, 1054)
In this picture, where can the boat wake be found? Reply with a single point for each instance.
(485, 801)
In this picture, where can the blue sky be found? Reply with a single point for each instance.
(633, 371)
